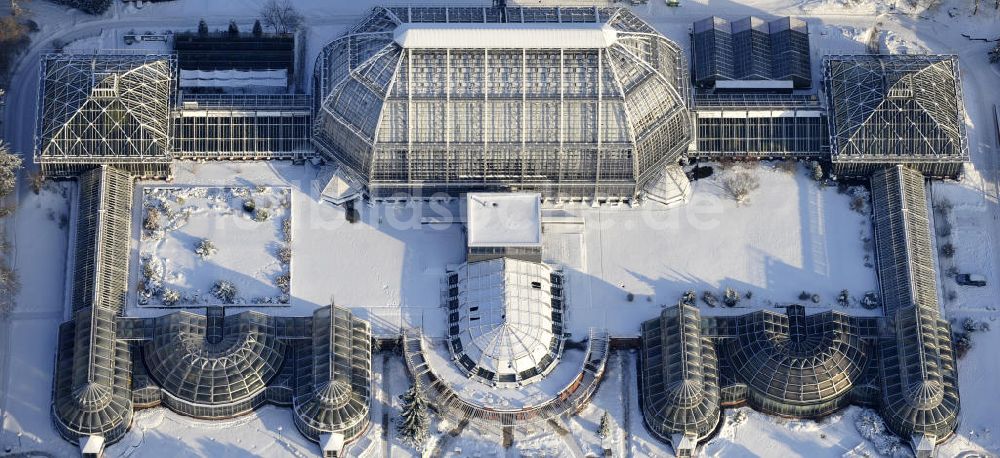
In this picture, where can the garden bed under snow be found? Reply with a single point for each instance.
(214, 245)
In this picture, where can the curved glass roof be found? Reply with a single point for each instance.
(504, 328)
(920, 382)
(201, 368)
(798, 359)
(412, 96)
(332, 390)
(679, 372)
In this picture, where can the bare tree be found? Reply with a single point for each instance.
(281, 16)
(739, 184)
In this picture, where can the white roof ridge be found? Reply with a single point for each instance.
(578, 35)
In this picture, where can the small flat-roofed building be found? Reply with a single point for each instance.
(504, 225)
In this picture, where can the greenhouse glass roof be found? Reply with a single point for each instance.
(504, 327)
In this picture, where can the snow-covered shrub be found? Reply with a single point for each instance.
(943, 227)
(286, 230)
(871, 427)
(9, 286)
(738, 184)
(857, 204)
(10, 164)
(249, 205)
(149, 270)
(205, 249)
(947, 250)
(815, 298)
(225, 291)
(710, 298)
(689, 297)
(816, 170)
(739, 417)
(283, 282)
(789, 166)
(730, 297)
(36, 180)
(171, 296)
(630, 297)
(995, 54)
(285, 255)
(805, 296)
(870, 300)
(261, 215)
(151, 222)
(604, 428)
(844, 298)
(962, 342)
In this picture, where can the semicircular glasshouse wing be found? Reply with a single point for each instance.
(571, 102)
(207, 366)
(798, 365)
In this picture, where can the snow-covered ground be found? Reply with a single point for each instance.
(28, 337)
(790, 236)
(193, 237)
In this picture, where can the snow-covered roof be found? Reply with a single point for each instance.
(233, 78)
(755, 84)
(504, 219)
(502, 326)
(91, 445)
(588, 35)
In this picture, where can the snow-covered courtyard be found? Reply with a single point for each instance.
(790, 236)
(194, 239)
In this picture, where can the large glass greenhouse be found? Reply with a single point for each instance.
(105, 109)
(896, 109)
(571, 102)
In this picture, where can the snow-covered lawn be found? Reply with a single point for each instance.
(387, 267)
(790, 235)
(194, 237)
(158, 432)
(28, 335)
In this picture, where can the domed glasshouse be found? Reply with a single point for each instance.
(570, 102)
